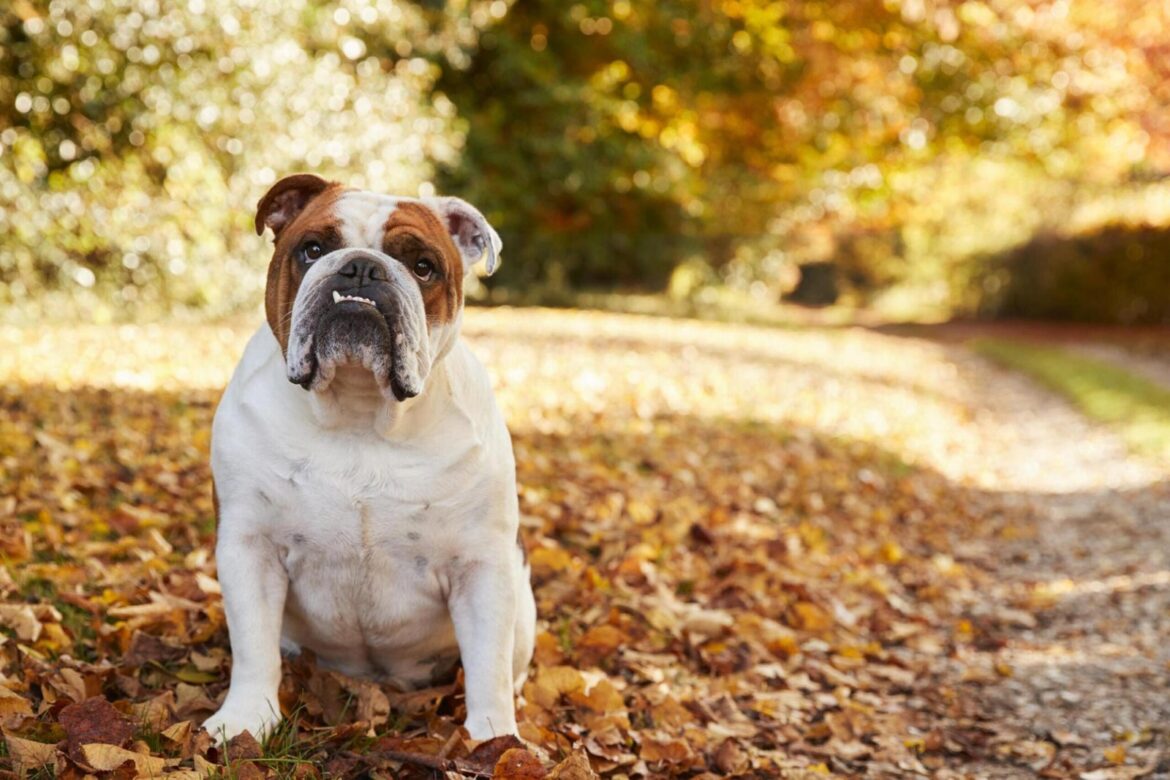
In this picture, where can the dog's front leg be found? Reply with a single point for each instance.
(254, 585)
(483, 608)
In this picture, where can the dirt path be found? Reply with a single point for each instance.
(1080, 617)
(1077, 625)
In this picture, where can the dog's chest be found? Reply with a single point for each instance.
(369, 563)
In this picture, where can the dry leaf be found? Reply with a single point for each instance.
(106, 758)
(519, 764)
(94, 721)
(575, 767)
(29, 755)
(12, 703)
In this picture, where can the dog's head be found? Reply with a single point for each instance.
(360, 278)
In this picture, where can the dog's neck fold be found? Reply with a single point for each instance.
(354, 402)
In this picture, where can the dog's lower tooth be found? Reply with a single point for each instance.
(336, 297)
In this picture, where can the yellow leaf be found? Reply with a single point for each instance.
(107, 758)
(602, 697)
(27, 754)
(549, 559)
(13, 704)
(178, 732)
(891, 552)
(810, 617)
(546, 690)
(1115, 755)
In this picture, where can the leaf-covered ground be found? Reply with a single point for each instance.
(756, 552)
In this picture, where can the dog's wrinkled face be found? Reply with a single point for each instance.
(370, 280)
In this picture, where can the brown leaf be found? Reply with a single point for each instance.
(373, 706)
(659, 748)
(730, 758)
(575, 767)
(147, 647)
(305, 771)
(92, 721)
(191, 699)
(248, 770)
(12, 703)
(155, 712)
(342, 765)
(29, 755)
(487, 754)
(242, 746)
(604, 638)
(519, 764)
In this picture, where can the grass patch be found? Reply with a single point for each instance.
(1137, 407)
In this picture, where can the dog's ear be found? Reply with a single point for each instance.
(474, 238)
(287, 198)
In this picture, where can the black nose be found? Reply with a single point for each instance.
(363, 270)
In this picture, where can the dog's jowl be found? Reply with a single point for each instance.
(364, 474)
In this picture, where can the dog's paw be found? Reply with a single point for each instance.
(484, 726)
(233, 719)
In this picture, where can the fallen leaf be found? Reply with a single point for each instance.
(12, 703)
(575, 767)
(93, 721)
(518, 764)
(486, 754)
(242, 746)
(106, 758)
(29, 755)
(730, 758)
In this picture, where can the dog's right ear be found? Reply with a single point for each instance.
(287, 198)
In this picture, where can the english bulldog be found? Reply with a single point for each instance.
(364, 478)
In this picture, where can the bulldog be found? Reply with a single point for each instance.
(364, 478)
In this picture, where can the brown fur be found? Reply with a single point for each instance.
(284, 272)
(413, 231)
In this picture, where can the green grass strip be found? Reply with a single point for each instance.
(1137, 407)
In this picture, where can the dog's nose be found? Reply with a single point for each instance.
(363, 270)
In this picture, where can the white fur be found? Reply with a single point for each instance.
(379, 534)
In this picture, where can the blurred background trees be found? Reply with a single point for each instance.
(923, 157)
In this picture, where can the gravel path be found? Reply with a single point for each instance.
(1071, 675)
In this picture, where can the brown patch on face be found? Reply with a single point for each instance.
(317, 221)
(414, 232)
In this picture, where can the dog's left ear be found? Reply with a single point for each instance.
(474, 238)
(286, 199)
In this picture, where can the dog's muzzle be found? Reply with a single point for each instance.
(357, 307)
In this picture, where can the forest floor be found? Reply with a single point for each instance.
(756, 552)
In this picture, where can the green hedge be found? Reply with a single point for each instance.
(1118, 274)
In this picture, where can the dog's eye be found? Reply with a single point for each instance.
(424, 269)
(312, 250)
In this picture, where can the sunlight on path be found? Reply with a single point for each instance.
(932, 404)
